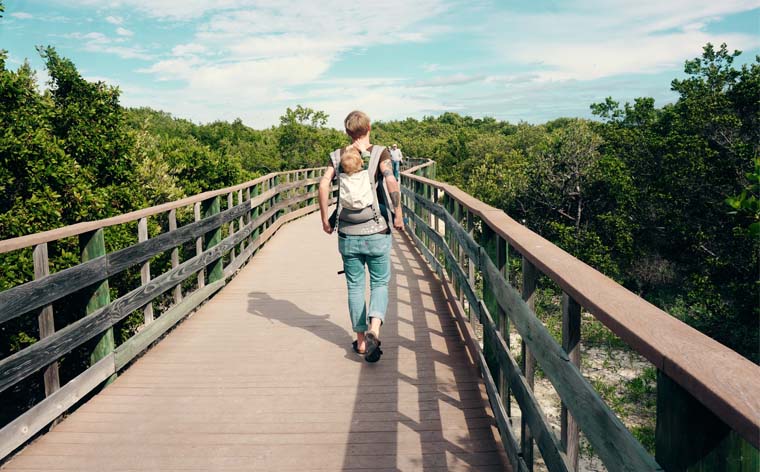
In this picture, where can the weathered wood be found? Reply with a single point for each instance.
(93, 246)
(175, 254)
(46, 320)
(718, 377)
(232, 224)
(142, 236)
(241, 219)
(508, 439)
(199, 245)
(23, 428)
(89, 226)
(261, 238)
(25, 362)
(549, 445)
(571, 343)
(142, 340)
(489, 242)
(458, 273)
(531, 412)
(37, 293)
(529, 279)
(689, 437)
(614, 444)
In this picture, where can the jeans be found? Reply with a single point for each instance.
(396, 173)
(374, 251)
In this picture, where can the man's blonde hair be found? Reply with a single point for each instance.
(357, 124)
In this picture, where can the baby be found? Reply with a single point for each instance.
(351, 161)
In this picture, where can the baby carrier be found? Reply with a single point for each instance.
(359, 211)
(355, 191)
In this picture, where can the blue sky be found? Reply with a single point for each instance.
(513, 60)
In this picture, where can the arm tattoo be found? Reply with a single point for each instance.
(396, 198)
(387, 172)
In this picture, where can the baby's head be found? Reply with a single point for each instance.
(351, 161)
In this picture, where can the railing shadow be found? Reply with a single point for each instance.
(381, 439)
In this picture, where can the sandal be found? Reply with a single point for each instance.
(373, 351)
(355, 345)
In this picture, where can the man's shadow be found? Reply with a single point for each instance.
(285, 312)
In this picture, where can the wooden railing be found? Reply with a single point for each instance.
(253, 212)
(708, 396)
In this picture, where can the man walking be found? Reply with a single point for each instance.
(396, 158)
(364, 236)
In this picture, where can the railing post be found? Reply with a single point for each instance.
(456, 248)
(212, 238)
(142, 235)
(527, 362)
(241, 220)
(199, 245)
(276, 199)
(255, 212)
(489, 243)
(232, 224)
(571, 340)
(92, 245)
(175, 254)
(45, 319)
(689, 437)
(471, 263)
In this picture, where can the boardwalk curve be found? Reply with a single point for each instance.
(262, 377)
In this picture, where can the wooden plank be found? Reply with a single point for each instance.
(142, 236)
(549, 445)
(175, 254)
(508, 439)
(140, 341)
(532, 413)
(45, 320)
(720, 378)
(614, 444)
(25, 362)
(212, 238)
(690, 437)
(199, 245)
(23, 428)
(232, 223)
(79, 228)
(571, 343)
(37, 293)
(529, 279)
(93, 246)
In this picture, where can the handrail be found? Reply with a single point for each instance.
(20, 242)
(263, 206)
(719, 378)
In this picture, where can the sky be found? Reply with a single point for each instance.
(251, 59)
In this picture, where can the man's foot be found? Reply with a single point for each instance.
(372, 351)
(355, 345)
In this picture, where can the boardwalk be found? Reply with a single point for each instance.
(263, 378)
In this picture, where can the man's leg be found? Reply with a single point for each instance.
(353, 265)
(396, 170)
(379, 265)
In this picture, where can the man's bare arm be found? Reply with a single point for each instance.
(394, 190)
(325, 186)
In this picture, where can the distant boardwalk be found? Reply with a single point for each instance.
(263, 378)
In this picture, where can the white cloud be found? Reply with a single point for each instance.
(124, 32)
(20, 15)
(601, 38)
(115, 20)
(456, 79)
(100, 43)
(188, 49)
